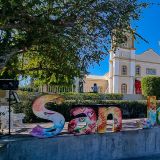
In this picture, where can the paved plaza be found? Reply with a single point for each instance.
(127, 125)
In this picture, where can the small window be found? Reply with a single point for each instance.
(124, 70)
(151, 71)
(124, 89)
(138, 70)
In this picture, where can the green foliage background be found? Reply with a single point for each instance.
(151, 86)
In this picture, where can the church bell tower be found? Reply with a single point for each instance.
(122, 53)
(124, 41)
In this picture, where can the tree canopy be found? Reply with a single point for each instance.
(53, 40)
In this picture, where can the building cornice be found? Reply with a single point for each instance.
(128, 48)
(135, 60)
(123, 76)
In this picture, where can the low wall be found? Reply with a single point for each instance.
(109, 146)
(133, 97)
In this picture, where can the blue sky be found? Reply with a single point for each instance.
(148, 28)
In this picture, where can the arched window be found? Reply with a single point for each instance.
(138, 70)
(124, 70)
(124, 88)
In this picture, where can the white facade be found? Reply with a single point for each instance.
(125, 69)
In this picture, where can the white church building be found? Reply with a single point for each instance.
(126, 69)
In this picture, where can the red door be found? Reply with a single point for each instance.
(138, 87)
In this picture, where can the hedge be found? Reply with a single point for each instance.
(130, 109)
(91, 96)
(151, 86)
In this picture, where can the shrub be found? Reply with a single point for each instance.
(151, 86)
(91, 96)
(130, 109)
(25, 106)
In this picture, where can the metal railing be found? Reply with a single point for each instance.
(59, 89)
(50, 89)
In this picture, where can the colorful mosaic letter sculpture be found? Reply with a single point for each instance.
(151, 113)
(158, 116)
(151, 109)
(102, 119)
(87, 118)
(41, 112)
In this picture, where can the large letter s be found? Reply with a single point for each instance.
(40, 111)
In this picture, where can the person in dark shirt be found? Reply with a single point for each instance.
(95, 88)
